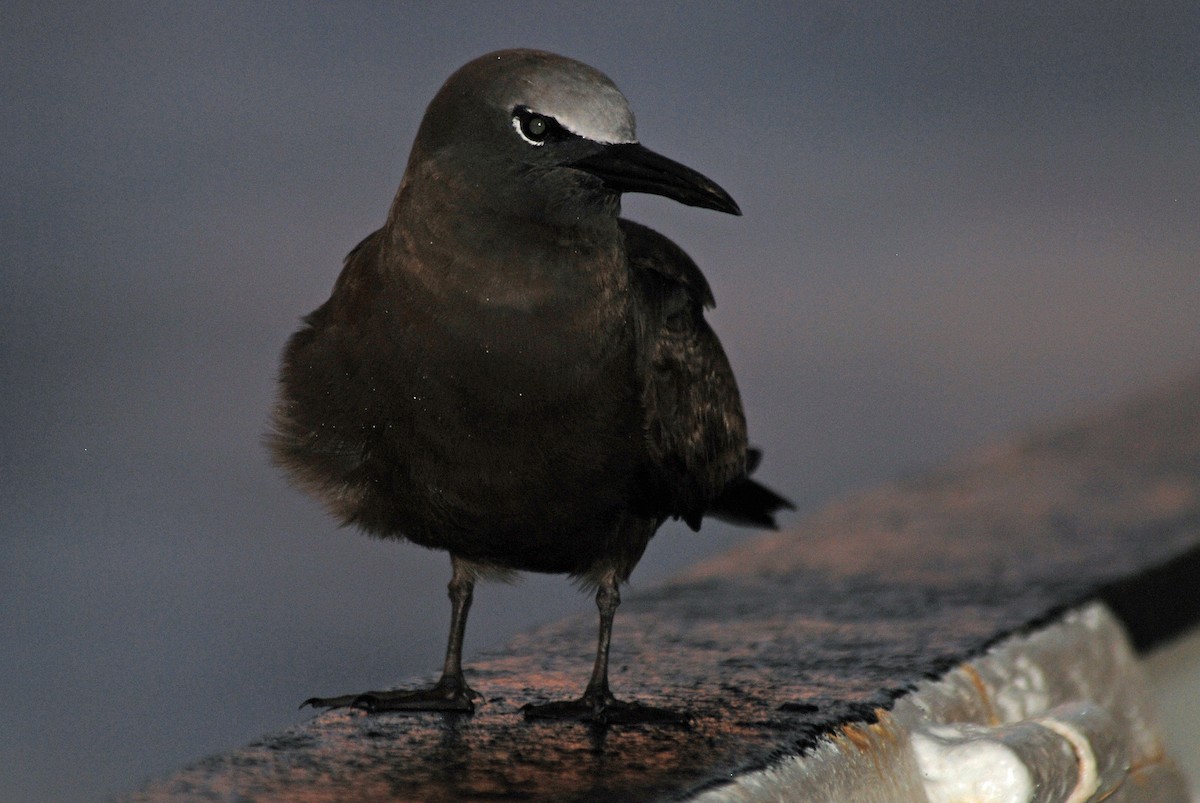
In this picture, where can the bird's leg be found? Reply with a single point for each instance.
(462, 591)
(598, 704)
(451, 692)
(608, 597)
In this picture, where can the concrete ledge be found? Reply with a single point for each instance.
(796, 646)
(1063, 714)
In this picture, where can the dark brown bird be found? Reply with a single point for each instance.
(509, 371)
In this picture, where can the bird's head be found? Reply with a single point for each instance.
(530, 134)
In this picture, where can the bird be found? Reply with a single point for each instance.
(511, 372)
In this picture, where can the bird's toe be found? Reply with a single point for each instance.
(606, 712)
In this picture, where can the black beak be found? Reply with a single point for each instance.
(632, 168)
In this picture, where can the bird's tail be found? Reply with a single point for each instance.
(748, 502)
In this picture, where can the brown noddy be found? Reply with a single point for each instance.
(509, 371)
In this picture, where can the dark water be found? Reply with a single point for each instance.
(956, 223)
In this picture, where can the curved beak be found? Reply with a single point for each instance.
(629, 167)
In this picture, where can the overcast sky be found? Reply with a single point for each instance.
(961, 219)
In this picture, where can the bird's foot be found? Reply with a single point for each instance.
(606, 710)
(440, 697)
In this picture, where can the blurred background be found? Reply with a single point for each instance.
(961, 219)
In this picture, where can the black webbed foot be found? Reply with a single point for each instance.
(441, 697)
(606, 711)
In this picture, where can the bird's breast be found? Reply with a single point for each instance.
(557, 313)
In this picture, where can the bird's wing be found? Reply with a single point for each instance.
(694, 426)
(312, 437)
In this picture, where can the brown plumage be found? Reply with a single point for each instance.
(509, 371)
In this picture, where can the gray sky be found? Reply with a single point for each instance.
(960, 218)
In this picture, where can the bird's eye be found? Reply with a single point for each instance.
(533, 128)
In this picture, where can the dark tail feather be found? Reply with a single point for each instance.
(753, 458)
(748, 502)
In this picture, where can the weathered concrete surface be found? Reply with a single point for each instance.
(794, 635)
(1063, 713)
